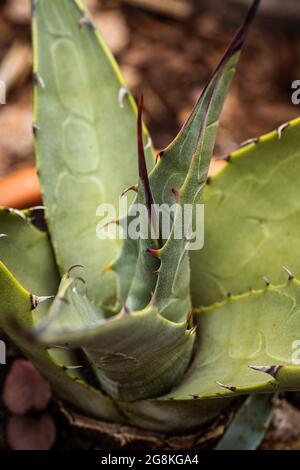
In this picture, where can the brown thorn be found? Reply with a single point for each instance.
(190, 317)
(37, 300)
(110, 222)
(133, 187)
(159, 156)
(225, 158)
(33, 7)
(72, 367)
(38, 80)
(35, 128)
(194, 397)
(123, 91)
(254, 140)
(289, 273)
(21, 214)
(85, 20)
(73, 267)
(80, 279)
(282, 128)
(271, 370)
(154, 252)
(193, 330)
(227, 387)
(125, 310)
(107, 267)
(153, 299)
(176, 193)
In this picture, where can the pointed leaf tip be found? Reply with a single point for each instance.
(241, 35)
(143, 173)
(238, 40)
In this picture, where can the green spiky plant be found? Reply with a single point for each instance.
(167, 338)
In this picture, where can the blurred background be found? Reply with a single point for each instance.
(167, 50)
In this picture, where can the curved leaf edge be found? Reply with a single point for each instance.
(235, 156)
(67, 380)
(281, 377)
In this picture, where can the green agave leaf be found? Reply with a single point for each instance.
(16, 309)
(134, 355)
(52, 362)
(27, 253)
(249, 426)
(174, 416)
(15, 306)
(68, 384)
(135, 269)
(181, 171)
(252, 216)
(173, 286)
(83, 135)
(246, 345)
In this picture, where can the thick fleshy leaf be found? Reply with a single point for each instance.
(27, 253)
(83, 136)
(174, 416)
(134, 355)
(179, 177)
(15, 305)
(246, 345)
(194, 145)
(252, 219)
(16, 310)
(68, 384)
(249, 426)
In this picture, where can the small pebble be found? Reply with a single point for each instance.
(27, 433)
(25, 389)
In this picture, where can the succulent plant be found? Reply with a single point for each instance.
(143, 331)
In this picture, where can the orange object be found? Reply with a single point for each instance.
(21, 189)
(216, 166)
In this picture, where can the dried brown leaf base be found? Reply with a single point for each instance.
(104, 435)
(284, 433)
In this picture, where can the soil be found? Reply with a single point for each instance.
(168, 58)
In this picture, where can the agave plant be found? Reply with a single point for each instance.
(145, 332)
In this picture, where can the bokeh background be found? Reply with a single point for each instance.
(167, 49)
